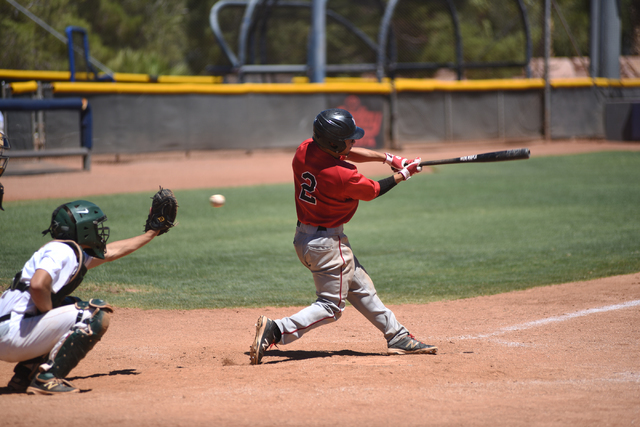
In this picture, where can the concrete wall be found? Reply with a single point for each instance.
(147, 123)
(126, 120)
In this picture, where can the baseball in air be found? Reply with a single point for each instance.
(217, 200)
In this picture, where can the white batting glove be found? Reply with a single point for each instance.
(396, 162)
(411, 169)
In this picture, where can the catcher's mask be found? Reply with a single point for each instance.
(4, 145)
(332, 127)
(82, 222)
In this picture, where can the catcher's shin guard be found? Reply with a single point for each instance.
(78, 343)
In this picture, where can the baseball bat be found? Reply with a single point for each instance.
(496, 156)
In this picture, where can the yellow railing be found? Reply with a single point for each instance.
(142, 83)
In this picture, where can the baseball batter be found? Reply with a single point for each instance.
(44, 328)
(327, 192)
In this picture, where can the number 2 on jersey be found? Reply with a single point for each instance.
(308, 187)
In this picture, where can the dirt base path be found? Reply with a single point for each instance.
(550, 356)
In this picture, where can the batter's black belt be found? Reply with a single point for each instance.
(320, 228)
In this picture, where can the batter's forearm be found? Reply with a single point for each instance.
(386, 185)
(389, 182)
(362, 155)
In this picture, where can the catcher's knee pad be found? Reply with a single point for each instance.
(78, 343)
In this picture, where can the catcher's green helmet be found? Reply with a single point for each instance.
(82, 222)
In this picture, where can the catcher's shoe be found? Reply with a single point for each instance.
(410, 345)
(20, 380)
(267, 334)
(23, 373)
(46, 383)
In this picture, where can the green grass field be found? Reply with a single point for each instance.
(463, 231)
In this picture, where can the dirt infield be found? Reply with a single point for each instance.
(559, 355)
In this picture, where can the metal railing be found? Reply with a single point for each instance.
(256, 14)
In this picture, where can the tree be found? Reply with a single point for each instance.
(127, 36)
(175, 37)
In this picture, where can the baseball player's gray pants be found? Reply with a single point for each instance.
(338, 276)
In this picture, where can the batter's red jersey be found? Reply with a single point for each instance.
(327, 189)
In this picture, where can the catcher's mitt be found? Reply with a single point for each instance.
(164, 209)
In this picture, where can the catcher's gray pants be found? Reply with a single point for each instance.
(338, 276)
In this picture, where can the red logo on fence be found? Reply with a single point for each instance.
(370, 121)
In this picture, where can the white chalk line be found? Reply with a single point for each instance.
(548, 320)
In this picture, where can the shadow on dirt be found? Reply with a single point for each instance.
(110, 374)
(303, 355)
(7, 390)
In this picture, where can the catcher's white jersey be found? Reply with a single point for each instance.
(57, 259)
(25, 335)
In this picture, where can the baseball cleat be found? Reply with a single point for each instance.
(18, 383)
(21, 379)
(409, 345)
(23, 374)
(47, 384)
(266, 330)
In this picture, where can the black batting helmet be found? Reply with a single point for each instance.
(332, 127)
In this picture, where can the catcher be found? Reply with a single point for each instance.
(42, 327)
(4, 145)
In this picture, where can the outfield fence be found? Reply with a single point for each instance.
(139, 117)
